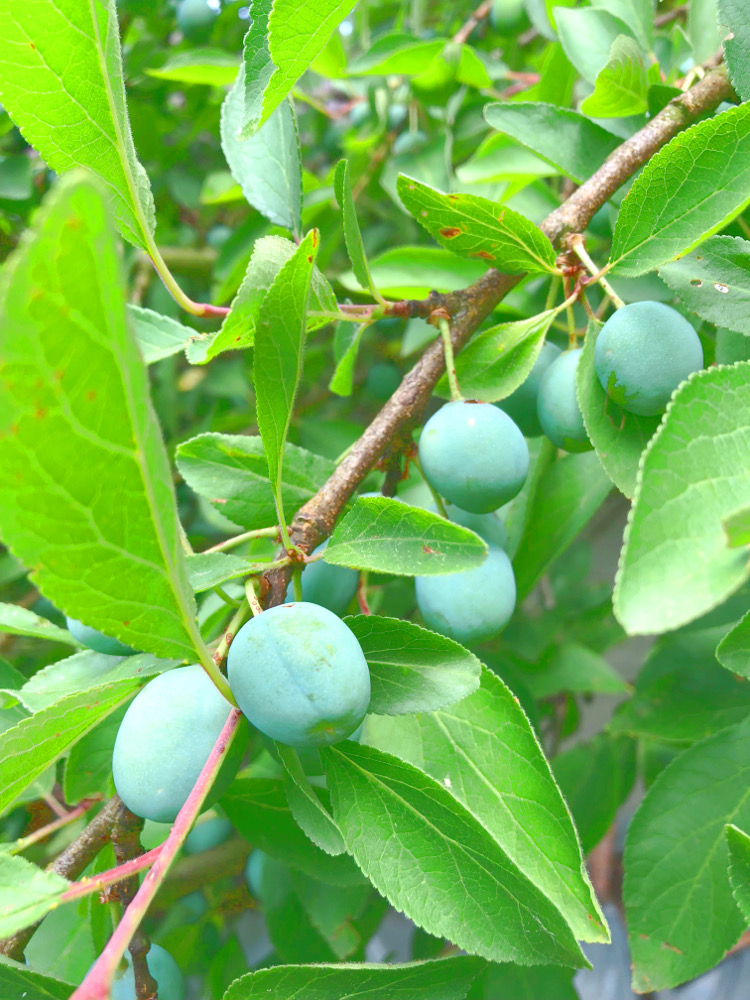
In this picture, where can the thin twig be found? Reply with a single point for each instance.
(482, 11)
(57, 824)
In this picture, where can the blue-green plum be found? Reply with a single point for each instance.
(195, 19)
(254, 871)
(731, 347)
(472, 606)
(207, 834)
(557, 404)
(490, 527)
(382, 380)
(474, 455)
(164, 969)
(164, 741)
(299, 675)
(329, 586)
(96, 640)
(642, 353)
(521, 404)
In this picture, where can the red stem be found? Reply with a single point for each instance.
(88, 885)
(98, 983)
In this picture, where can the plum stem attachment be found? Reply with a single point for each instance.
(237, 621)
(444, 326)
(252, 598)
(98, 982)
(297, 583)
(577, 246)
(246, 536)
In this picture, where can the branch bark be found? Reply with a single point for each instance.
(469, 307)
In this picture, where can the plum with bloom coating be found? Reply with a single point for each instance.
(521, 404)
(474, 455)
(642, 353)
(299, 675)
(164, 741)
(557, 404)
(472, 606)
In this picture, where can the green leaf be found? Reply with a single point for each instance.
(702, 29)
(681, 695)
(738, 844)
(621, 86)
(484, 753)
(88, 769)
(595, 779)
(397, 53)
(79, 435)
(569, 493)
(687, 191)
(637, 14)
(211, 569)
(412, 272)
(397, 821)
(17, 982)
(386, 536)
(333, 911)
(270, 253)
(681, 915)
(737, 528)
(570, 141)
(345, 348)
(83, 672)
(412, 669)
(733, 652)
(519, 982)
(498, 360)
(158, 336)
(307, 809)
(231, 470)
(284, 39)
(587, 36)
(442, 979)
(61, 82)
(675, 564)
(714, 281)
(279, 353)
(352, 233)
(267, 165)
(210, 67)
(618, 436)
(29, 748)
(575, 668)
(476, 227)
(26, 893)
(21, 621)
(259, 810)
(734, 25)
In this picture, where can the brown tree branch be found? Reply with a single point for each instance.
(69, 864)
(467, 308)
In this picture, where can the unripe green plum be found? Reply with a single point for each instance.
(164, 969)
(164, 741)
(195, 19)
(96, 640)
(254, 872)
(557, 404)
(299, 675)
(507, 15)
(474, 455)
(731, 347)
(642, 353)
(208, 834)
(521, 404)
(490, 527)
(329, 586)
(472, 606)
(382, 380)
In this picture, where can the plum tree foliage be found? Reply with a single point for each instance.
(370, 375)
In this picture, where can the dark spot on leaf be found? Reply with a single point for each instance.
(218, 500)
(31, 45)
(450, 232)
(238, 339)
(309, 260)
(672, 947)
(696, 283)
(126, 623)
(91, 394)
(452, 197)
(431, 552)
(40, 413)
(483, 254)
